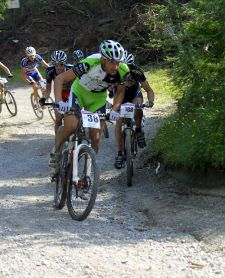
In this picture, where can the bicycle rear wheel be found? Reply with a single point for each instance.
(36, 107)
(61, 181)
(82, 193)
(10, 103)
(129, 156)
(50, 108)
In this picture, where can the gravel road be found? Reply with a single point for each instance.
(157, 228)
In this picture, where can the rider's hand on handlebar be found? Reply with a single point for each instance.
(42, 101)
(63, 107)
(114, 116)
(149, 104)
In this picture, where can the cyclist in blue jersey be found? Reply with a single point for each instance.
(92, 77)
(29, 69)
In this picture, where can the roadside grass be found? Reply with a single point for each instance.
(161, 83)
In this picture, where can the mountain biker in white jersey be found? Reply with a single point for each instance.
(91, 78)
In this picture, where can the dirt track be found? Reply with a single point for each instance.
(157, 228)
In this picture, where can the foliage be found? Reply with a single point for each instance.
(3, 8)
(195, 135)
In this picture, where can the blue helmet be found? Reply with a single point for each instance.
(78, 55)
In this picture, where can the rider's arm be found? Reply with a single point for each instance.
(6, 69)
(118, 98)
(60, 80)
(150, 93)
(44, 64)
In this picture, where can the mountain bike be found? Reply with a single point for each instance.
(7, 98)
(77, 177)
(128, 132)
(38, 110)
(105, 129)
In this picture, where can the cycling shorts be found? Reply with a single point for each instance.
(34, 74)
(132, 93)
(95, 105)
(92, 102)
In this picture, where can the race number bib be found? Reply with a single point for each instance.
(90, 119)
(127, 110)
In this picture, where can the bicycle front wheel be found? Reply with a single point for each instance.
(129, 156)
(50, 108)
(10, 103)
(36, 107)
(82, 193)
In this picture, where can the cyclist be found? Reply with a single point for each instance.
(29, 69)
(134, 95)
(8, 72)
(91, 78)
(78, 55)
(58, 65)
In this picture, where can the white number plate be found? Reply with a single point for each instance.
(90, 119)
(127, 110)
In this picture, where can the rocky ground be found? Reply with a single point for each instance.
(157, 228)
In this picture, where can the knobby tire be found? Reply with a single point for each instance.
(10, 101)
(82, 213)
(128, 154)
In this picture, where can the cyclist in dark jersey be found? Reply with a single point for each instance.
(78, 55)
(58, 66)
(92, 77)
(133, 94)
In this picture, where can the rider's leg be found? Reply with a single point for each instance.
(138, 118)
(70, 126)
(35, 91)
(95, 135)
(138, 112)
(58, 120)
(119, 142)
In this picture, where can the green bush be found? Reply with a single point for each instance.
(195, 135)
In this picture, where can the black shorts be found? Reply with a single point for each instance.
(131, 93)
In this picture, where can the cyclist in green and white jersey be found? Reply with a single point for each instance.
(92, 77)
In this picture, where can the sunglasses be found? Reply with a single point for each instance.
(59, 64)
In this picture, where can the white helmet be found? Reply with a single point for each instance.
(128, 58)
(30, 51)
(112, 50)
(58, 56)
